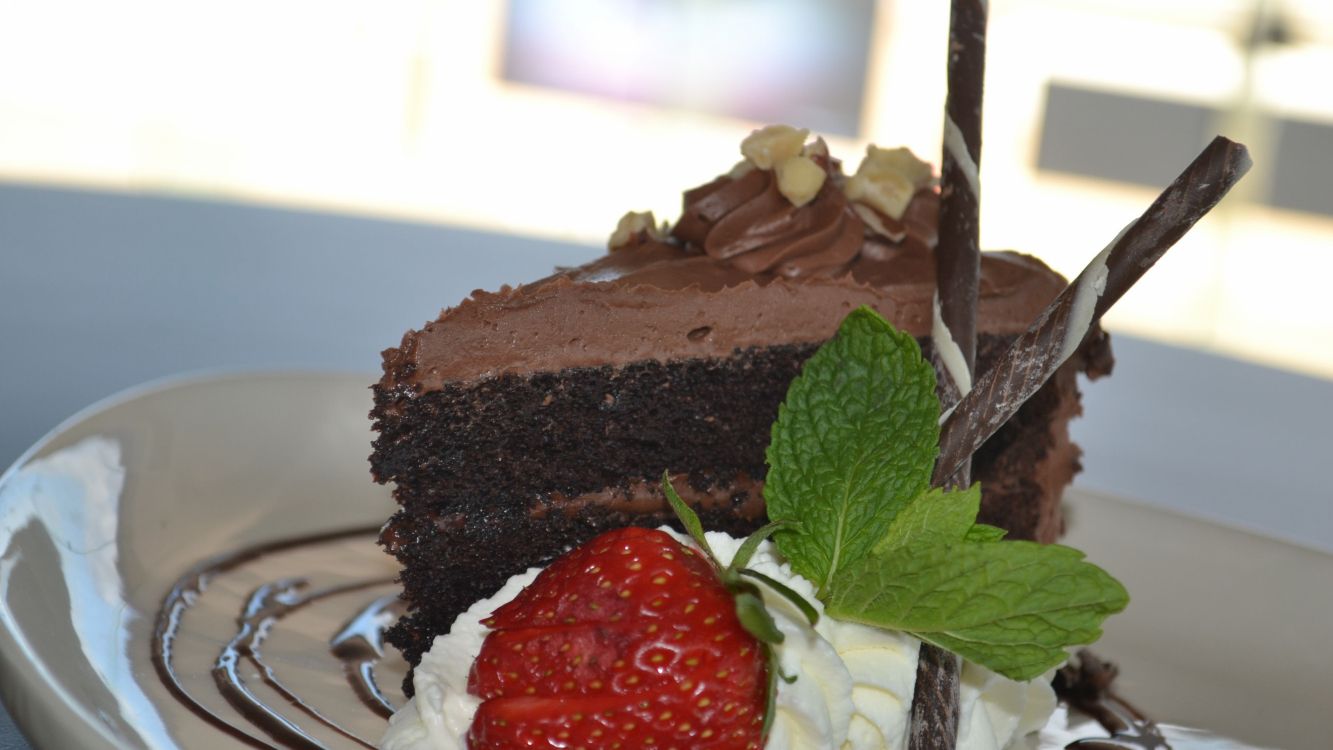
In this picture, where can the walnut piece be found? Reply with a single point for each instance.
(632, 225)
(887, 179)
(769, 146)
(799, 179)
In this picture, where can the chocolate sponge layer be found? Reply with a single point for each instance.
(511, 440)
(504, 473)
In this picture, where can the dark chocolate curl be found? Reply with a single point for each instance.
(1059, 330)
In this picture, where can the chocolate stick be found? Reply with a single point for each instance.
(935, 710)
(958, 256)
(1061, 328)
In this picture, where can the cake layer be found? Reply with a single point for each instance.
(513, 439)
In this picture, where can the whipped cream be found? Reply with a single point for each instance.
(853, 689)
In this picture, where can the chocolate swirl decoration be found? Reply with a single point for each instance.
(269, 711)
(746, 221)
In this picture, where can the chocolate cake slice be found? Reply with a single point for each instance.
(522, 422)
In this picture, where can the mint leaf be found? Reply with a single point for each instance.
(1012, 607)
(937, 516)
(982, 532)
(855, 440)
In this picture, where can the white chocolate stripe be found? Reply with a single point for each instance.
(951, 355)
(1091, 286)
(944, 415)
(957, 148)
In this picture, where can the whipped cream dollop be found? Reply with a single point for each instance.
(853, 689)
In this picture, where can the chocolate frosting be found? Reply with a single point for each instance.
(742, 268)
(748, 221)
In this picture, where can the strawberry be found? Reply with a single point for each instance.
(629, 641)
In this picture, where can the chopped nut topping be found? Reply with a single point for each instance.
(887, 179)
(634, 224)
(799, 179)
(769, 146)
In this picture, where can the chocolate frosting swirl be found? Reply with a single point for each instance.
(746, 220)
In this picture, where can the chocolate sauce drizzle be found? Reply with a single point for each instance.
(357, 644)
(265, 607)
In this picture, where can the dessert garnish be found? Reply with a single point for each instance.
(1061, 327)
(935, 712)
(635, 226)
(850, 464)
(630, 640)
(634, 640)
(1055, 334)
(887, 180)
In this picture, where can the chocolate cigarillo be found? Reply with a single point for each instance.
(935, 703)
(1059, 330)
(958, 256)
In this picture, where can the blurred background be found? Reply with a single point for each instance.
(550, 118)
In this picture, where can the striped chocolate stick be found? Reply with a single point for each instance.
(958, 256)
(935, 711)
(1061, 328)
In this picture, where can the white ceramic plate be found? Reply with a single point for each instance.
(102, 518)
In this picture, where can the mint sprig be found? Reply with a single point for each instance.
(849, 466)
(855, 440)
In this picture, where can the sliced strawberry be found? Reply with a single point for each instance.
(628, 641)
